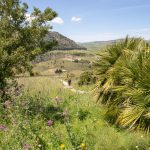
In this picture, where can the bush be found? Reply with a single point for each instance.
(87, 78)
(76, 60)
(124, 77)
(58, 71)
(82, 114)
(83, 61)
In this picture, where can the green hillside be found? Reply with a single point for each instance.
(96, 45)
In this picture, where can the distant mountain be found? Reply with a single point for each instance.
(96, 45)
(64, 43)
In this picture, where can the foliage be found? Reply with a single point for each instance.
(25, 123)
(82, 114)
(21, 38)
(124, 77)
(87, 78)
(58, 71)
(84, 61)
(76, 60)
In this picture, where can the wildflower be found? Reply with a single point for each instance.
(83, 146)
(50, 123)
(26, 146)
(2, 128)
(62, 146)
(136, 147)
(39, 145)
(58, 99)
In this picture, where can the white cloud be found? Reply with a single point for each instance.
(76, 19)
(27, 15)
(29, 18)
(58, 20)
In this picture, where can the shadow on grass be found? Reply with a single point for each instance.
(37, 107)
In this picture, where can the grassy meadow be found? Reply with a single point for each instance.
(77, 121)
(47, 116)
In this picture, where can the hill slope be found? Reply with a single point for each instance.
(96, 44)
(64, 43)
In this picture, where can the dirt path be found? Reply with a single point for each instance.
(71, 88)
(65, 84)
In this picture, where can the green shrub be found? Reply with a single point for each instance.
(76, 60)
(82, 114)
(124, 77)
(84, 61)
(58, 71)
(87, 78)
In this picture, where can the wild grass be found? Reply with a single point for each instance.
(78, 121)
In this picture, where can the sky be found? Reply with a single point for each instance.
(98, 20)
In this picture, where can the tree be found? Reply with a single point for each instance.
(22, 37)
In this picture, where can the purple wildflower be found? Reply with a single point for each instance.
(2, 128)
(50, 123)
(26, 146)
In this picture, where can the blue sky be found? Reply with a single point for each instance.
(98, 20)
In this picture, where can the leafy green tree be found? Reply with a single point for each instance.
(22, 37)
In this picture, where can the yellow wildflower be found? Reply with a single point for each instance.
(62, 146)
(83, 146)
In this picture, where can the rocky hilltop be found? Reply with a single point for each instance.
(64, 43)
